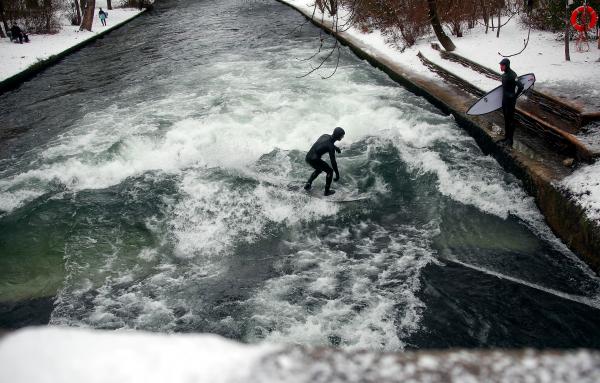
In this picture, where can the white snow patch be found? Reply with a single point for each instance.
(74, 355)
(584, 183)
(18, 57)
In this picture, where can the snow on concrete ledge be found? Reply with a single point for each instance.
(16, 58)
(67, 355)
(584, 186)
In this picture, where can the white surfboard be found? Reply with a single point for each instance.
(493, 100)
(340, 195)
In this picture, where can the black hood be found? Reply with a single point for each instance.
(505, 62)
(338, 133)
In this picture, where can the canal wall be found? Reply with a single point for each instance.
(538, 166)
(16, 80)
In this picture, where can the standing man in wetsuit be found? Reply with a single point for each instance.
(511, 88)
(325, 144)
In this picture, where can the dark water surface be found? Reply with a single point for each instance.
(148, 182)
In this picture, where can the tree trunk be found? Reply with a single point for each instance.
(486, 18)
(88, 15)
(567, 25)
(78, 10)
(499, 23)
(437, 27)
(47, 4)
(3, 19)
(108, 5)
(473, 16)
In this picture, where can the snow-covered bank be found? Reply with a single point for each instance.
(16, 58)
(543, 56)
(48, 355)
(73, 355)
(584, 184)
(573, 81)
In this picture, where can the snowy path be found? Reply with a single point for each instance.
(18, 57)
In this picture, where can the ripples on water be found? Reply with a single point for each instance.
(148, 187)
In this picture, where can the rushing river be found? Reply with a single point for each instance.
(145, 183)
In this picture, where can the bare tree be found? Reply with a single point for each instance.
(511, 8)
(77, 12)
(437, 27)
(47, 12)
(529, 24)
(326, 7)
(499, 22)
(567, 31)
(88, 15)
(108, 5)
(486, 17)
(3, 19)
(330, 5)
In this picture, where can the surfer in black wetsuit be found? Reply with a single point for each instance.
(325, 144)
(511, 88)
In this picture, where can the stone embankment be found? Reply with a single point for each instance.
(546, 143)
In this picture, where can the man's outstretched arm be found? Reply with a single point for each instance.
(334, 163)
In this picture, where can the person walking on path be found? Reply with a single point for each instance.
(102, 15)
(511, 88)
(325, 144)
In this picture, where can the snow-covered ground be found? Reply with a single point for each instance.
(55, 355)
(15, 58)
(575, 81)
(543, 56)
(75, 355)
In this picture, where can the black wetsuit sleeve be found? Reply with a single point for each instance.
(332, 158)
(519, 87)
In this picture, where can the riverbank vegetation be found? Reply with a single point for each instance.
(43, 16)
(403, 22)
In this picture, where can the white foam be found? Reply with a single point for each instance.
(465, 175)
(211, 217)
(367, 302)
(11, 200)
(214, 215)
(108, 146)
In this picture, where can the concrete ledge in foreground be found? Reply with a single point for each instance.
(66, 355)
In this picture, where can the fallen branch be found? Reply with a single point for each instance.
(525, 43)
